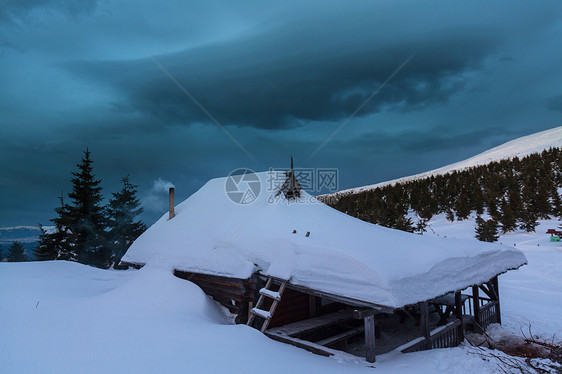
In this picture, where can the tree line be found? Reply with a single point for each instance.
(16, 253)
(86, 231)
(513, 193)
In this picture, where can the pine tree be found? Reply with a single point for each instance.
(56, 244)
(421, 226)
(528, 221)
(507, 218)
(462, 206)
(16, 253)
(61, 237)
(1, 254)
(123, 210)
(486, 230)
(86, 216)
(46, 249)
(450, 215)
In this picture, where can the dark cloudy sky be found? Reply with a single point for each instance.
(280, 77)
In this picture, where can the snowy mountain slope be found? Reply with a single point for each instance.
(519, 147)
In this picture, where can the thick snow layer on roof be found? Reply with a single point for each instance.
(342, 255)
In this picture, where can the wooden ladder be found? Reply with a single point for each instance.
(267, 292)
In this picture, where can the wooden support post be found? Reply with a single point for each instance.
(370, 338)
(424, 320)
(250, 306)
(312, 306)
(476, 301)
(458, 313)
(496, 286)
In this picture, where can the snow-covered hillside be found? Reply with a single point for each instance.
(519, 147)
(62, 317)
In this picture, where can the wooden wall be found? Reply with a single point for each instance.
(232, 293)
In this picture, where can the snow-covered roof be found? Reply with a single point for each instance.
(342, 256)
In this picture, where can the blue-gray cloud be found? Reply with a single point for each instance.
(280, 76)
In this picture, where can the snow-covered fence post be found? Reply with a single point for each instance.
(171, 204)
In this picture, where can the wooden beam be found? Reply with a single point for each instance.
(496, 286)
(345, 300)
(458, 312)
(313, 306)
(486, 291)
(370, 339)
(424, 320)
(492, 288)
(362, 313)
(304, 344)
(476, 303)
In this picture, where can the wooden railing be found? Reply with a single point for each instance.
(442, 337)
(488, 314)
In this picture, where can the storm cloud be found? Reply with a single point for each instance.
(253, 82)
(279, 78)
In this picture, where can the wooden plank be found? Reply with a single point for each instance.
(309, 325)
(271, 294)
(341, 336)
(309, 346)
(370, 339)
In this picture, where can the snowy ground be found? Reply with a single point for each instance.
(61, 317)
(532, 294)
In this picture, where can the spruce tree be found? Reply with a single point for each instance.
(46, 249)
(124, 227)
(86, 217)
(56, 243)
(462, 206)
(486, 230)
(528, 221)
(421, 226)
(507, 218)
(450, 215)
(16, 253)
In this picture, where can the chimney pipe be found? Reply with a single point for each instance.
(171, 209)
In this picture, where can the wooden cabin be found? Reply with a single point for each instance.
(308, 275)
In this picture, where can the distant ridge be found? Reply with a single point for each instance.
(19, 228)
(519, 147)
